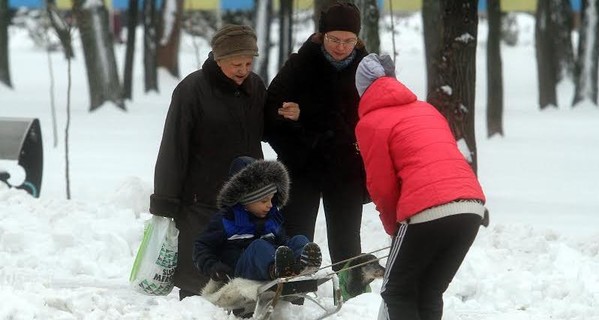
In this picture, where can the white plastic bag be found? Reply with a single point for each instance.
(156, 260)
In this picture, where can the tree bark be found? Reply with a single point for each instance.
(545, 51)
(4, 58)
(285, 31)
(63, 29)
(98, 49)
(452, 87)
(585, 71)
(132, 20)
(494, 71)
(170, 35)
(562, 18)
(432, 29)
(263, 20)
(150, 42)
(370, 24)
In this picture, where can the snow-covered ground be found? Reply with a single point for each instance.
(70, 259)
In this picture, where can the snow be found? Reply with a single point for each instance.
(465, 38)
(70, 259)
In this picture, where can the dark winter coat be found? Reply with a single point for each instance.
(230, 232)
(210, 121)
(233, 228)
(322, 141)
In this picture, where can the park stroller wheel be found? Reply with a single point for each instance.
(293, 289)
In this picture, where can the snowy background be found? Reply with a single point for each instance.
(70, 259)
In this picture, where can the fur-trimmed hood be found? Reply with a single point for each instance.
(253, 174)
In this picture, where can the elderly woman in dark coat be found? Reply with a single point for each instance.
(216, 114)
(319, 146)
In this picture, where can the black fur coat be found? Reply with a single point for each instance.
(322, 141)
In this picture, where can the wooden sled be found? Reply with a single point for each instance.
(294, 289)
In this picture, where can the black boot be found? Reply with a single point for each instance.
(310, 259)
(284, 262)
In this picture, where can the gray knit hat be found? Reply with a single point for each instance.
(255, 195)
(371, 68)
(234, 40)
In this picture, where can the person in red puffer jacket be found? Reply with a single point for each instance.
(428, 196)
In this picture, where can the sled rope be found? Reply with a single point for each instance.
(345, 261)
(357, 265)
(352, 258)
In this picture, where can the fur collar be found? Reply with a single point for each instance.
(255, 175)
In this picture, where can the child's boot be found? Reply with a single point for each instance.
(310, 259)
(284, 262)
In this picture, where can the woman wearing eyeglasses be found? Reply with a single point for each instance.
(318, 144)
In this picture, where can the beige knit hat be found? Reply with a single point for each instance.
(234, 40)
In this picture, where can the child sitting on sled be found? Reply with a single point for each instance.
(246, 238)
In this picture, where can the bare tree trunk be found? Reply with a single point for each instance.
(263, 20)
(98, 49)
(562, 18)
(63, 29)
(370, 24)
(285, 31)
(170, 35)
(4, 60)
(67, 163)
(452, 89)
(545, 51)
(494, 71)
(132, 13)
(150, 43)
(585, 71)
(432, 29)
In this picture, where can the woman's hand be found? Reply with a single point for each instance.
(290, 110)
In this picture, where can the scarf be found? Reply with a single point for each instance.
(244, 225)
(338, 65)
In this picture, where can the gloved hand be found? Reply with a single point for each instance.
(221, 272)
(485, 221)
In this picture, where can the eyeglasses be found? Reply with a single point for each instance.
(339, 42)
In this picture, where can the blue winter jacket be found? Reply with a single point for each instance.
(230, 232)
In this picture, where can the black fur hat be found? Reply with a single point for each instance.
(250, 179)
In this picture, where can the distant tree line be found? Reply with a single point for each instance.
(450, 31)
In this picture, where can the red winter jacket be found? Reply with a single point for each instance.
(411, 157)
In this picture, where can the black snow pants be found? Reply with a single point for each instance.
(342, 201)
(423, 260)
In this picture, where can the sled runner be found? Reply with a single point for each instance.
(293, 289)
(257, 300)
